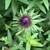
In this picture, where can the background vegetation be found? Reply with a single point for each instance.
(8, 38)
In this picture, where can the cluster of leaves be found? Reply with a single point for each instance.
(11, 38)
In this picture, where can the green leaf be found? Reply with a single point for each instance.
(34, 17)
(31, 13)
(20, 46)
(46, 3)
(24, 1)
(21, 38)
(9, 36)
(3, 48)
(19, 32)
(34, 35)
(14, 47)
(7, 27)
(31, 5)
(15, 18)
(41, 37)
(36, 28)
(34, 42)
(46, 33)
(27, 34)
(7, 3)
(28, 47)
(21, 12)
(41, 7)
(48, 48)
(7, 12)
(4, 39)
(14, 7)
(38, 20)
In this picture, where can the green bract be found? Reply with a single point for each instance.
(28, 34)
(33, 17)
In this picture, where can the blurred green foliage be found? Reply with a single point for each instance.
(9, 40)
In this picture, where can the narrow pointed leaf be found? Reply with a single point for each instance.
(14, 7)
(46, 33)
(31, 13)
(38, 21)
(24, 1)
(3, 48)
(41, 7)
(31, 5)
(7, 3)
(46, 2)
(19, 32)
(34, 35)
(37, 28)
(36, 16)
(35, 43)
(21, 12)
(28, 47)
(28, 34)
(23, 9)
(9, 36)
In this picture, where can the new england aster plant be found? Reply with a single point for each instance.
(26, 26)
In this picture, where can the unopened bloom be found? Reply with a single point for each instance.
(26, 22)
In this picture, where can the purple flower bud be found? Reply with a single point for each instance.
(25, 21)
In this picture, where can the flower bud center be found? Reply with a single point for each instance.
(25, 21)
